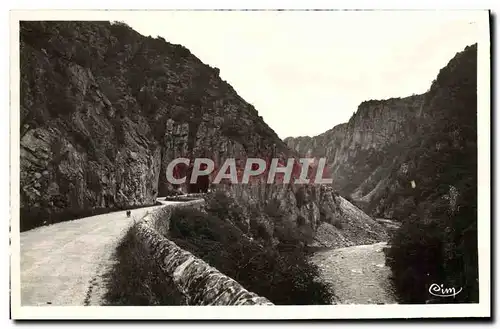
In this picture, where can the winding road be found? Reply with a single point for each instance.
(63, 263)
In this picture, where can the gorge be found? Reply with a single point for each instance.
(105, 110)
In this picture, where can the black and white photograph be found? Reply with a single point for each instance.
(333, 163)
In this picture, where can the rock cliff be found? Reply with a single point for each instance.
(315, 215)
(362, 142)
(370, 154)
(104, 109)
(360, 152)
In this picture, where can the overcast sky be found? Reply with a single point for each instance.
(306, 72)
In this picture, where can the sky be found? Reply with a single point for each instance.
(307, 71)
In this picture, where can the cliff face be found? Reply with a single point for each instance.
(436, 169)
(315, 215)
(367, 152)
(358, 150)
(104, 109)
(325, 145)
(373, 157)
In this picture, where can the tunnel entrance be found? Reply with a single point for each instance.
(202, 182)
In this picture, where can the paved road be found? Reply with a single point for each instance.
(60, 263)
(358, 274)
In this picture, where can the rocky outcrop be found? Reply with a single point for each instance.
(369, 137)
(372, 158)
(191, 277)
(315, 215)
(356, 150)
(326, 144)
(105, 109)
(438, 165)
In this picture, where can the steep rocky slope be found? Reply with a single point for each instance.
(438, 164)
(438, 241)
(326, 144)
(317, 216)
(104, 109)
(373, 158)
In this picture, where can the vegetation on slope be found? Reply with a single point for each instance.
(220, 236)
(437, 243)
(136, 280)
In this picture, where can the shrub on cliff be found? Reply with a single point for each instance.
(440, 250)
(282, 277)
(288, 233)
(221, 205)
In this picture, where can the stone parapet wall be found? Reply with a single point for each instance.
(198, 282)
(159, 219)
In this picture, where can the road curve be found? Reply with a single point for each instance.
(60, 263)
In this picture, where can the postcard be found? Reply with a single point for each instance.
(250, 164)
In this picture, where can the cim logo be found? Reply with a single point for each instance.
(441, 291)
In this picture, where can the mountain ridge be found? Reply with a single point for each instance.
(362, 152)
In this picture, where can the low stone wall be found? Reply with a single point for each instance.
(160, 218)
(185, 197)
(198, 282)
